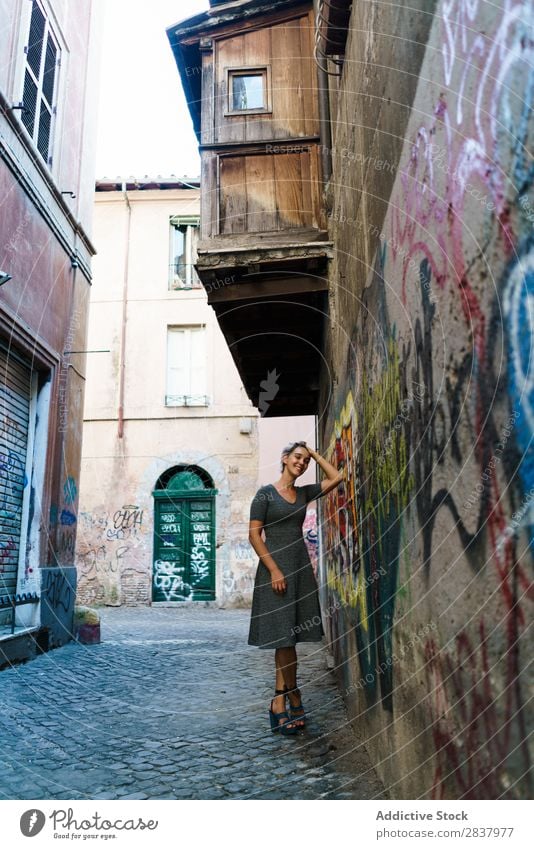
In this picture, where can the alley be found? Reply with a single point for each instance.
(172, 705)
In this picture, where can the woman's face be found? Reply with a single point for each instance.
(297, 462)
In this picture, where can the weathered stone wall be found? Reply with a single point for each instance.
(115, 546)
(426, 557)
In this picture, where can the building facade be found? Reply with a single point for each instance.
(48, 90)
(170, 450)
(422, 117)
(251, 85)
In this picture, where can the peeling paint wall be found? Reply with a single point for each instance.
(426, 575)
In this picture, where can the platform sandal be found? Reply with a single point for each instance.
(276, 717)
(296, 713)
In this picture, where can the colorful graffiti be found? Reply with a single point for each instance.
(7, 549)
(309, 530)
(70, 490)
(518, 307)
(461, 682)
(363, 525)
(438, 402)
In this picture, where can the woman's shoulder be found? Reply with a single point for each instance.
(263, 491)
(259, 506)
(310, 490)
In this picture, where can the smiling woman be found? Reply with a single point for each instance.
(285, 604)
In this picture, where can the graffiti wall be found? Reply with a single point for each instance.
(113, 556)
(130, 552)
(427, 570)
(58, 594)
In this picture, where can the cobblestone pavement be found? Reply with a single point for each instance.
(172, 705)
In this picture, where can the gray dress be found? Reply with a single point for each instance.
(284, 619)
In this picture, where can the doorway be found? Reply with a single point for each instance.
(184, 536)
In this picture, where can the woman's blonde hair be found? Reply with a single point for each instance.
(288, 449)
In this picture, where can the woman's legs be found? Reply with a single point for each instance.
(286, 676)
(280, 659)
(286, 667)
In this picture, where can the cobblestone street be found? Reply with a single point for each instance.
(172, 705)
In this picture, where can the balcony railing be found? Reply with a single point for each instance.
(331, 31)
(12, 601)
(183, 277)
(187, 400)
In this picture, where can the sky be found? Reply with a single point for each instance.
(144, 128)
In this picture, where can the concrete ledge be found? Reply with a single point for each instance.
(22, 646)
(185, 604)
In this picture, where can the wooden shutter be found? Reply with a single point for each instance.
(198, 361)
(40, 78)
(177, 363)
(186, 365)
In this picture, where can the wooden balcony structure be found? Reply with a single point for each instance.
(250, 80)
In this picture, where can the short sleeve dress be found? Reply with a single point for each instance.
(284, 619)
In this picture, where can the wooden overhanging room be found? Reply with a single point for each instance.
(251, 83)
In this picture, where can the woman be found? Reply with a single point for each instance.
(285, 604)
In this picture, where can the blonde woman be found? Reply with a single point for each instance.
(285, 604)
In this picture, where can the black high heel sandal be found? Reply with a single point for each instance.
(275, 718)
(295, 716)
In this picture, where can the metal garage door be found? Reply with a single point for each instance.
(15, 388)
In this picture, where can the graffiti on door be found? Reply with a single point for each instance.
(183, 550)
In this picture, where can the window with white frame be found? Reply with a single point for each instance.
(183, 242)
(186, 367)
(40, 84)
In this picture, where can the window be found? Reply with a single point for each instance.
(248, 90)
(184, 236)
(186, 367)
(40, 81)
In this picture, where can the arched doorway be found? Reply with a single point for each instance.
(184, 536)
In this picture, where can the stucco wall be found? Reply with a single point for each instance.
(115, 547)
(44, 226)
(74, 131)
(427, 557)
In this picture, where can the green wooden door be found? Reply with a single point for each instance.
(184, 541)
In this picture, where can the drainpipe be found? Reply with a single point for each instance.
(122, 353)
(326, 126)
(325, 122)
